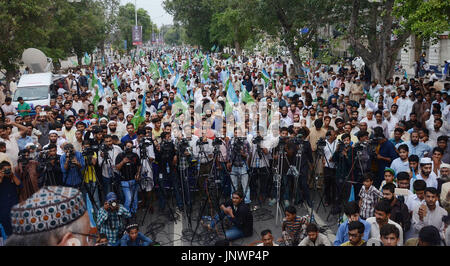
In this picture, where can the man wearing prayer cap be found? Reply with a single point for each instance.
(53, 216)
(426, 172)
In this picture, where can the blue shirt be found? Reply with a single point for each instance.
(127, 138)
(342, 233)
(72, 177)
(24, 141)
(386, 150)
(420, 149)
(8, 198)
(141, 240)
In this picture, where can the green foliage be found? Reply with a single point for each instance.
(22, 25)
(426, 19)
(126, 20)
(174, 35)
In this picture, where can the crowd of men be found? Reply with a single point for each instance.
(339, 130)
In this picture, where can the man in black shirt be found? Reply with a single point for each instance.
(128, 164)
(49, 167)
(239, 214)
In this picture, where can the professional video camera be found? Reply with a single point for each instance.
(257, 140)
(321, 142)
(183, 146)
(217, 142)
(201, 142)
(297, 140)
(238, 143)
(145, 142)
(88, 152)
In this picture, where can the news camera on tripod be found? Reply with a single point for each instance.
(299, 154)
(260, 178)
(144, 148)
(49, 167)
(167, 180)
(90, 186)
(107, 155)
(237, 156)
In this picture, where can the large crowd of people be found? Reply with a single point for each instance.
(164, 128)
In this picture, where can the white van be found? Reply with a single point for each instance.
(34, 89)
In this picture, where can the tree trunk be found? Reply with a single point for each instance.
(293, 51)
(238, 48)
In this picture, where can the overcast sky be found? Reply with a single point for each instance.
(155, 9)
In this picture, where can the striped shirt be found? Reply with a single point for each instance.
(295, 228)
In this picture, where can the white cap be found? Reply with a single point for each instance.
(445, 165)
(369, 110)
(425, 160)
(53, 132)
(297, 125)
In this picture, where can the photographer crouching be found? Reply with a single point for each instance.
(72, 165)
(128, 164)
(110, 219)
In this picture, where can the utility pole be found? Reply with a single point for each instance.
(135, 11)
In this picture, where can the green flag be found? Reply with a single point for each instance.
(96, 99)
(247, 98)
(205, 69)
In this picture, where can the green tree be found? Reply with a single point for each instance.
(126, 20)
(22, 25)
(195, 16)
(377, 30)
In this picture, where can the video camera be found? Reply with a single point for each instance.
(145, 142)
(217, 142)
(321, 142)
(183, 146)
(88, 152)
(257, 140)
(201, 142)
(297, 140)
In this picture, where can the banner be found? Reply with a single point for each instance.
(137, 35)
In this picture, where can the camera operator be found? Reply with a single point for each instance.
(238, 151)
(385, 154)
(330, 168)
(90, 179)
(72, 165)
(109, 219)
(144, 148)
(258, 163)
(343, 157)
(26, 170)
(9, 185)
(128, 164)
(49, 167)
(203, 151)
(294, 145)
(167, 161)
(364, 153)
(106, 161)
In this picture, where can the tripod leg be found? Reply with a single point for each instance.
(199, 218)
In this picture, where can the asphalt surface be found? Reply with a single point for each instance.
(161, 227)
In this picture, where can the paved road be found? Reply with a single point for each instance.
(159, 227)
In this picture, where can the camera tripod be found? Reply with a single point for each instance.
(212, 185)
(320, 154)
(115, 186)
(277, 179)
(96, 185)
(256, 160)
(298, 164)
(342, 188)
(145, 173)
(48, 176)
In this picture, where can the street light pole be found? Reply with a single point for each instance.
(135, 11)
